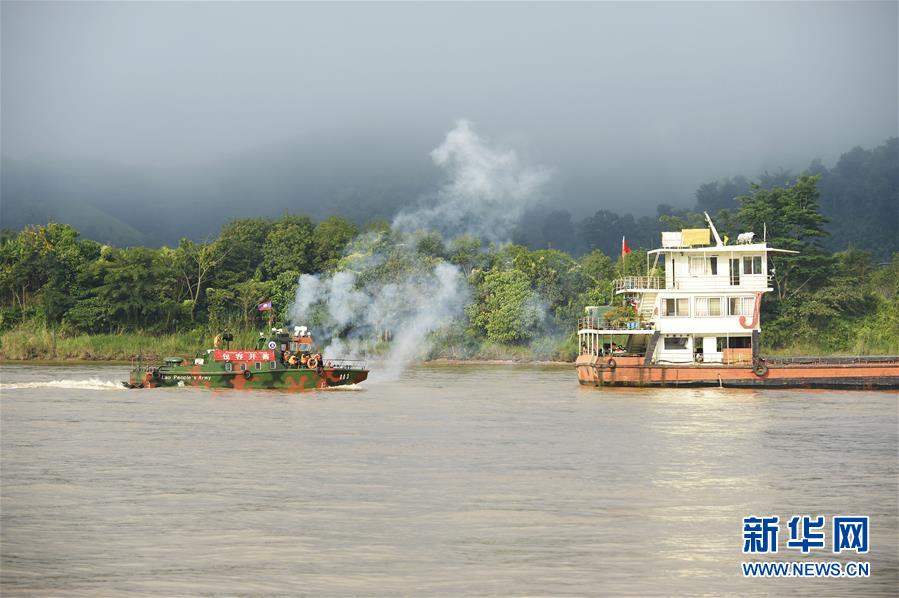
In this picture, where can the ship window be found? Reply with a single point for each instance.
(707, 306)
(740, 306)
(272, 365)
(697, 266)
(734, 342)
(243, 367)
(257, 365)
(735, 272)
(752, 265)
(677, 307)
(675, 343)
(713, 266)
(228, 366)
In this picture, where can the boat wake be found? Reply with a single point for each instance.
(342, 388)
(89, 384)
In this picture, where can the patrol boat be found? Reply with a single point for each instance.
(698, 324)
(281, 360)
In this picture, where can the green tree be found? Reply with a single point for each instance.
(196, 264)
(598, 267)
(465, 252)
(248, 295)
(130, 288)
(220, 308)
(430, 245)
(793, 222)
(90, 315)
(330, 239)
(288, 246)
(557, 278)
(600, 270)
(283, 293)
(240, 243)
(506, 309)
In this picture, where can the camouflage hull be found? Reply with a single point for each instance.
(281, 378)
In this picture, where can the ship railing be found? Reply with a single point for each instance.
(591, 323)
(831, 359)
(605, 353)
(345, 364)
(634, 283)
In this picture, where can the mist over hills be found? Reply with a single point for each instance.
(363, 177)
(124, 205)
(140, 123)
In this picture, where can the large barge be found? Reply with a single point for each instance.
(697, 323)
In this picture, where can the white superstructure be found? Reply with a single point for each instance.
(703, 309)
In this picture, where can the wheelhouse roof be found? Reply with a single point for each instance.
(747, 248)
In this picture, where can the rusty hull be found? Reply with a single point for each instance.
(631, 371)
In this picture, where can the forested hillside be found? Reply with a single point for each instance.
(500, 300)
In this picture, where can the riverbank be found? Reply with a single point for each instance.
(42, 346)
(23, 345)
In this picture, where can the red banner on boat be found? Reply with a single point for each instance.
(225, 355)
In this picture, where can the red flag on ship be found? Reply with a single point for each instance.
(624, 247)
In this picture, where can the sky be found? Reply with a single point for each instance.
(627, 105)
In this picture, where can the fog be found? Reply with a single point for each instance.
(172, 117)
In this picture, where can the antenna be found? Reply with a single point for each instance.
(764, 232)
(714, 230)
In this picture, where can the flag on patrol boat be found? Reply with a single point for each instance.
(264, 306)
(624, 247)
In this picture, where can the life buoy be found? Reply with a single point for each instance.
(760, 368)
(247, 374)
(156, 375)
(612, 364)
(312, 363)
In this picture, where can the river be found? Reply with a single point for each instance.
(452, 480)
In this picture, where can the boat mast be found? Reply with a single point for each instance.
(714, 230)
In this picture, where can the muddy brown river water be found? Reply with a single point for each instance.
(452, 480)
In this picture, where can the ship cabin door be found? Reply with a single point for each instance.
(735, 272)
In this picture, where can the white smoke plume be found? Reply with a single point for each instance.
(388, 299)
(485, 193)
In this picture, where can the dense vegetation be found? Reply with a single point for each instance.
(56, 287)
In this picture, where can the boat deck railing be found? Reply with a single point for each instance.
(346, 364)
(605, 353)
(591, 323)
(831, 359)
(629, 283)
